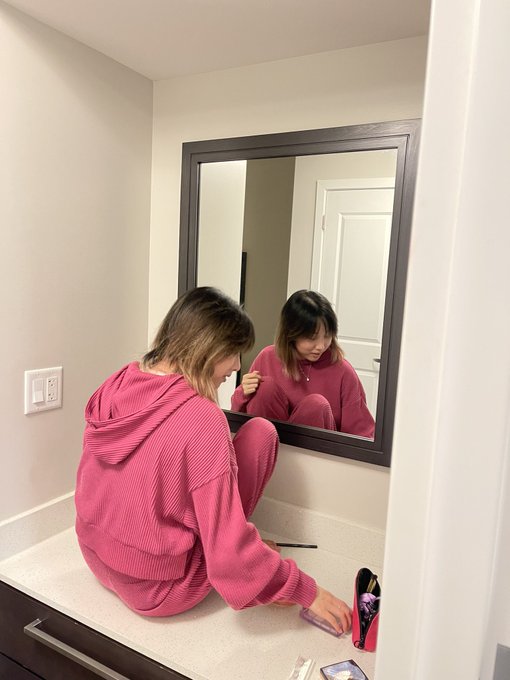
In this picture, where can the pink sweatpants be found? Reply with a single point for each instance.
(270, 401)
(256, 449)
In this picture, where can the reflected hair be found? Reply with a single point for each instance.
(301, 317)
(202, 327)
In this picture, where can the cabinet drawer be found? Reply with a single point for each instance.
(56, 647)
(13, 671)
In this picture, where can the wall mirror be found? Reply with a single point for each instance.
(329, 210)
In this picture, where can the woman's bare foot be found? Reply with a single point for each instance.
(271, 544)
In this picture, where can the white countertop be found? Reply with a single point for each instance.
(209, 642)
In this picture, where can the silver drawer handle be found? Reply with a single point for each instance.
(33, 631)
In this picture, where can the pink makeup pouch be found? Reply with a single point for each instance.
(365, 610)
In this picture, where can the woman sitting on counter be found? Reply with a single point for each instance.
(164, 494)
(304, 378)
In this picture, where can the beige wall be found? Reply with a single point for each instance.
(74, 208)
(266, 240)
(366, 84)
(221, 207)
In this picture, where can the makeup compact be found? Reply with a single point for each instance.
(343, 670)
(318, 621)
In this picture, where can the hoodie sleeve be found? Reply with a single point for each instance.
(240, 566)
(239, 399)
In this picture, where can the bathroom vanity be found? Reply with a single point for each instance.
(58, 623)
(53, 645)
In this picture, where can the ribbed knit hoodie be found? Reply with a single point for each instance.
(157, 492)
(338, 382)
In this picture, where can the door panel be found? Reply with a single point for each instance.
(349, 266)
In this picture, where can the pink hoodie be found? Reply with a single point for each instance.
(157, 498)
(337, 382)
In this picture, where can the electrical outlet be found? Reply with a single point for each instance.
(52, 388)
(43, 389)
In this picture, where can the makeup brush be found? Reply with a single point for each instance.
(296, 545)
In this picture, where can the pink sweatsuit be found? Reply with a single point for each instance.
(332, 398)
(163, 496)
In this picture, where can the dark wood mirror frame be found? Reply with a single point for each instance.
(402, 136)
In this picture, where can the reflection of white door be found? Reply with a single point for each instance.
(350, 264)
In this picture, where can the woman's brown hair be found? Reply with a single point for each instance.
(201, 328)
(301, 317)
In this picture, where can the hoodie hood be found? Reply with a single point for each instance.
(127, 408)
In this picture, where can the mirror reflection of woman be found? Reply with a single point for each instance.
(304, 378)
(164, 495)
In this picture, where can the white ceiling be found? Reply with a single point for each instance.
(169, 38)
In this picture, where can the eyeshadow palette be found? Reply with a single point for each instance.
(318, 621)
(343, 670)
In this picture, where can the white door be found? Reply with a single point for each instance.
(350, 264)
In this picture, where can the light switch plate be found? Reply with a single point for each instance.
(43, 389)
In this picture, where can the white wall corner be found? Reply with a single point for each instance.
(332, 534)
(451, 434)
(29, 528)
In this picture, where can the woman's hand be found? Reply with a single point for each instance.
(250, 382)
(335, 611)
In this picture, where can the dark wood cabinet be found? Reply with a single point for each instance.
(37, 641)
(10, 670)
